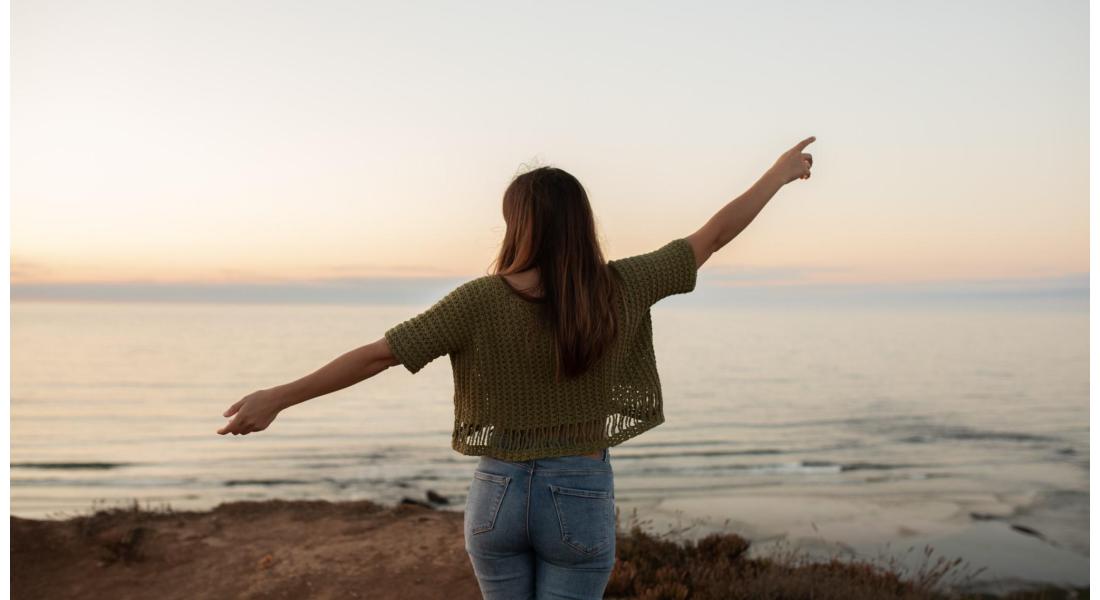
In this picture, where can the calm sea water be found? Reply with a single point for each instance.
(119, 401)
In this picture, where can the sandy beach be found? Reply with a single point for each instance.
(1013, 539)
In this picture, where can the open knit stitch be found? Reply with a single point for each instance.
(507, 403)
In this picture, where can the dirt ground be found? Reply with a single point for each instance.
(272, 549)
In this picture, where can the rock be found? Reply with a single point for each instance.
(407, 500)
(121, 543)
(437, 498)
(1027, 530)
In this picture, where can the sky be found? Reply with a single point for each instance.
(210, 144)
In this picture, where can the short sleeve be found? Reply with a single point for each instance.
(668, 270)
(444, 328)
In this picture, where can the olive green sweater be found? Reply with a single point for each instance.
(507, 404)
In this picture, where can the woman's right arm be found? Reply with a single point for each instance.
(732, 218)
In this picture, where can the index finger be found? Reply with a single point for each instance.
(230, 426)
(806, 142)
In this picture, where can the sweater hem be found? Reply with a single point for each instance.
(556, 451)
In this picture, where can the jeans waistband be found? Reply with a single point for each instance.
(559, 463)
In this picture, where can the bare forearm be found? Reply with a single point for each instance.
(732, 218)
(344, 371)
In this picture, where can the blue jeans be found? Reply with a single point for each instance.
(542, 528)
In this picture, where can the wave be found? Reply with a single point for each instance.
(792, 467)
(70, 465)
(959, 432)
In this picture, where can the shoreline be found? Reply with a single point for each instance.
(1014, 537)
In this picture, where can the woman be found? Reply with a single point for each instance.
(553, 364)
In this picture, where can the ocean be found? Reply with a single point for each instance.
(850, 429)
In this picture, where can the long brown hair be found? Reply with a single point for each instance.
(550, 228)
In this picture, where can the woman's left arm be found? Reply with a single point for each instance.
(257, 410)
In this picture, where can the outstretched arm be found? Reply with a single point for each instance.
(257, 410)
(732, 218)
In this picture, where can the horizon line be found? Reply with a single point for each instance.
(752, 277)
(425, 290)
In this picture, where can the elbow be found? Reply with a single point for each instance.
(703, 243)
(378, 357)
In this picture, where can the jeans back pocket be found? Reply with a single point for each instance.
(483, 502)
(586, 517)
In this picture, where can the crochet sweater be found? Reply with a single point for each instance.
(507, 404)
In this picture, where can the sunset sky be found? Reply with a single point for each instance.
(235, 142)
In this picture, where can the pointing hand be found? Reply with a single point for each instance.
(794, 163)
